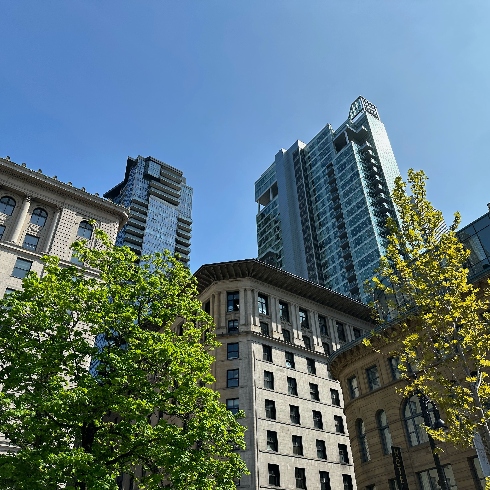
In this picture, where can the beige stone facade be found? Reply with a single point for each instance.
(275, 329)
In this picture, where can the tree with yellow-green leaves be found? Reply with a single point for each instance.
(136, 402)
(436, 322)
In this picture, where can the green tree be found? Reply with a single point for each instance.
(79, 414)
(442, 330)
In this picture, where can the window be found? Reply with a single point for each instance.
(292, 387)
(75, 260)
(303, 318)
(270, 409)
(478, 475)
(339, 424)
(326, 348)
(290, 360)
(274, 476)
(232, 378)
(232, 301)
(307, 342)
(394, 485)
(263, 304)
(428, 479)
(294, 414)
(317, 419)
(363, 445)
(267, 353)
(9, 291)
(30, 242)
(325, 481)
(314, 393)
(268, 380)
(264, 328)
(300, 475)
(232, 405)
(341, 332)
(353, 387)
(357, 332)
(39, 217)
(298, 445)
(85, 230)
(284, 311)
(7, 205)
(2, 231)
(232, 326)
(286, 335)
(371, 487)
(322, 323)
(207, 307)
(232, 351)
(347, 481)
(414, 420)
(21, 268)
(272, 440)
(321, 450)
(343, 454)
(395, 371)
(373, 378)
(384, 431)
(310, 366)
(334, 394)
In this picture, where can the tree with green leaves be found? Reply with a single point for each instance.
(105, 371)
(435, 321)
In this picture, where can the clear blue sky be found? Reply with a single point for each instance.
(217, 87)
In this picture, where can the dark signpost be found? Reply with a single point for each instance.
(401, 478)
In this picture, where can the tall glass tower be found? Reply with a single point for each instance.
(160, 206)
(322, 206)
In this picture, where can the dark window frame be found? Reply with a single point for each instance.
(7, 205)
(297, 442)
(274, 475)
(230, 405)
(292, 386)
(232, 378)
(339, 424)
(231, 351)
(335, 397)
(294, 414)
(232, 301)
(266, 353)
(21, 272)
(310, 365)
(263, 304)
(303, 318)
(30, 246)
(343, 454)
(314, 392)
(272, 444)
(233, 326)
(284, 311)
(373, 377)
(270, 409)
(85, 230)
(321, 449)
(289, 360)
(269, 380)
(39, 217)
(317, 419)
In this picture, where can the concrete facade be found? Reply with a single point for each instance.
(259, 369)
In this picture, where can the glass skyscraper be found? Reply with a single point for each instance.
(323, 205)
(160, 205)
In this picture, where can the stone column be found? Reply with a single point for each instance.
(242, 296)
(222, 309)
(254, 309)
(52, 230)
(274, 313)
(295, 320)
(21, 219)
(315, 329)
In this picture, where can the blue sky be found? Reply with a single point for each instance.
(217, 87)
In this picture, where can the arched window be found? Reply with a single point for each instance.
(85, 230)
(384, 431)
(363, 444)
(39, 217)
(414, 420)
(7, 205)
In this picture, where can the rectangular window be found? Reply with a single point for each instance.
(314, 393)
(339, 424)
(310, 366)
(428, 478)
(373, 378)
(347, 481)
(207, 307)
(294, 414)
(341, 332)
(284, 311)
(268, 380)
(232, 326)
(30, 242)
(343, 454)
(325, 481)
(9, 291)
(264, 328)
(317, 419)
(263, 303)
(272, 440)
(322, 323)
(233, 301)
(357, 332)
(286, 335)
(2, 231)
(290, 360)
(300, 475)
(371, 487)
(477, 472)
(267, 353)
(307, 342)
(394, 484)
(274, 476)
(326, 348)
(395, 371)
(303, 318)
(232, 378)
(334, 394)
(321, 450)
(270, 409)
(232, 405)
(292, 387)
(298, 445)
(353, 387)
(75, 260)
(21, 268)
(232, 351)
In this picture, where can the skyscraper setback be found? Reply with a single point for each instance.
(323, 205)
(160, 206)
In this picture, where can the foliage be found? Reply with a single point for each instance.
(442, 333)
(81, 414)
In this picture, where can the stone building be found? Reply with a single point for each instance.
(277, 331)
